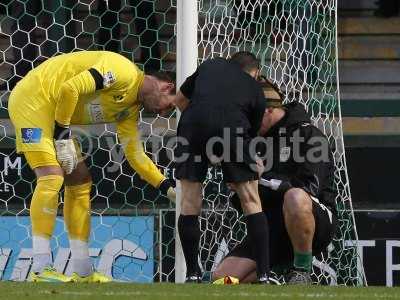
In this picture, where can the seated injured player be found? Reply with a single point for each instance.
(296, 191)
(87, 87)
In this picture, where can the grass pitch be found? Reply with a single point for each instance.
(114, 291)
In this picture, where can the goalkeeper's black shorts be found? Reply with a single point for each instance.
(281, 250)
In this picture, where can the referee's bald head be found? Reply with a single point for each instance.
(247, 61)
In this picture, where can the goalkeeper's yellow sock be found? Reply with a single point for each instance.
(77, 219)
(43, 212)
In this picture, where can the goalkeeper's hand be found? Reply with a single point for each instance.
(168, 190)
(65, 149)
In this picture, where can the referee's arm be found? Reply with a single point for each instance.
(186, 91)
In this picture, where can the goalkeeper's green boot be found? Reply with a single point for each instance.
(95, 277)
(49, 274)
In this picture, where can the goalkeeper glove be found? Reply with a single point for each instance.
(65, 149)
(168, 190)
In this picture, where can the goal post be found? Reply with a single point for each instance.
(186, 64)
(133, 227)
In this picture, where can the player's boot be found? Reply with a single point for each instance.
(193, 279)
(49, 274)
(265, 279)
(95, 277)
(297, 277)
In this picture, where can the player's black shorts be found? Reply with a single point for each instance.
(281, 250)
(195, 152)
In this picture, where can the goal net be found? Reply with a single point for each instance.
(133, 226)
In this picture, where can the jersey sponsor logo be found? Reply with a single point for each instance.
(31, 135)
(96, 113)
(284, 154)
(108, 79)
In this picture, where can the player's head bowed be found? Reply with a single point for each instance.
(274, 109)
(248, 62)
(157, 93)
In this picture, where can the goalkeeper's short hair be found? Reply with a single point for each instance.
(166, 76)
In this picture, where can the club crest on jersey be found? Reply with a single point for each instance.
(284, 154)
(122, 115)
(118, 98)
(108, 79)
(31, 135)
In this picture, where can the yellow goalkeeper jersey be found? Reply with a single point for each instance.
(87, 87)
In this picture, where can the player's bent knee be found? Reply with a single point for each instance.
(297, 201)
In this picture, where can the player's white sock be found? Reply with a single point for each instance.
(41, 254)
(81, 263)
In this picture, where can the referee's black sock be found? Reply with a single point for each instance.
(189, 233)
(258, 233)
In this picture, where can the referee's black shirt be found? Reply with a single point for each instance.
(222, 95)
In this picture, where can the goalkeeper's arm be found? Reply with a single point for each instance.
(130, 140)
(84, 83)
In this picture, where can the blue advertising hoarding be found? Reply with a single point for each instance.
(121, 247)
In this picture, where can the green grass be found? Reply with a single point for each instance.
(114, 291)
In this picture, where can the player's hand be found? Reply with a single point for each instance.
(167, 190)
(171, 194)
(66, 155)
(260, 166)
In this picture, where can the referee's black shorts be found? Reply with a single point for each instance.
(192, 156)
(281, 250)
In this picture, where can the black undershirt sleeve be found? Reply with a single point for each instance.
(98, 79)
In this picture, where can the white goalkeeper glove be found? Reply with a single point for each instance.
(273, 184)
(171, 194)
(66, 155)
(167, 190)
(65, 148)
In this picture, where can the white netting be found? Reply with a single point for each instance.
(296, 41)
(31, 31)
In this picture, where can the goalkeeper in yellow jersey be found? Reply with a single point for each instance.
(85, 87)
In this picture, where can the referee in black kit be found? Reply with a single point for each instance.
(222, 106)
